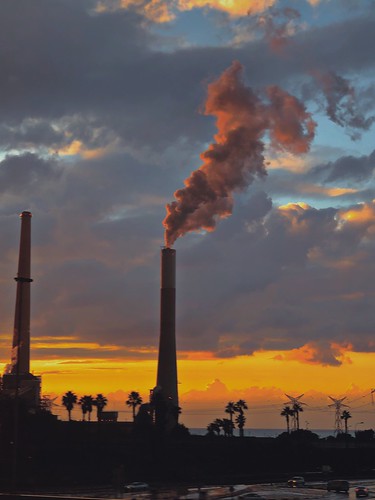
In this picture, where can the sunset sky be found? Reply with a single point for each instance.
(106, 108)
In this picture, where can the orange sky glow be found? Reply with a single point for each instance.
(207, 383)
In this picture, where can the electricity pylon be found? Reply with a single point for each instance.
(338, 404)
(296, 408)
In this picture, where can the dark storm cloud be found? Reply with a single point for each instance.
(103, 72)
(93, 302)
(98, 211)
(19, 174)
(64, 60)
(347, 169)
(298, 278)
(96, 231)
(262, 280)
(30, 133)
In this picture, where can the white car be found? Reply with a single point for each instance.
(137, 486)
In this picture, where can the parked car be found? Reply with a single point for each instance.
(136, 486)
(296, 482)
(361, 491)
(338, 485)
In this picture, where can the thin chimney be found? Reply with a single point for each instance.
(21, 334)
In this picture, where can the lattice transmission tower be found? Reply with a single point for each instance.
(296, 408)
(338, 404)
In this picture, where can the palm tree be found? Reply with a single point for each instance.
(86, 402)
(296, 408)
(240, 421)
(227, 426)
(287, 412)
(100, 402)
(214, 427)
(219, 424)
(231, 409)
(241, 405)
(69, 399)
(345, 417)
(134, 400)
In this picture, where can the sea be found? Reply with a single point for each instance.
(272, 433)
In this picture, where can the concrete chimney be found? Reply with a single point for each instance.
(17, 380)
(21, 333)
(167, 362)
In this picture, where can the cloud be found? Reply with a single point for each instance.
(18, 174)
(164, 11)
(278, 25)
(114, 84)
(238, 8)
(289, 272)
(318, 353)
(303, 270)
(346, 169)
(343, 105)
(158, 11)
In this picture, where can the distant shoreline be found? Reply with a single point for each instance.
(271, 433)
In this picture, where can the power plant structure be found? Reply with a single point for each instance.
(18, 381)
(165, 394)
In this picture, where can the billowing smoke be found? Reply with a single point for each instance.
(232, 162)
(342, 103)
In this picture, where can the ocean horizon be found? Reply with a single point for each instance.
(322, 433)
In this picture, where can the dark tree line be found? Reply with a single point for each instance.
(236, 413)
(88, 403)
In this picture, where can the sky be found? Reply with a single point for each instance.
(245, 129)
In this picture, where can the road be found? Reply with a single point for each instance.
(312, 491)
(266, 491)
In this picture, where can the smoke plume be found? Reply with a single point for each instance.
(232, 162)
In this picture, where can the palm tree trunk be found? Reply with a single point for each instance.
(287, 424)
(69, 415)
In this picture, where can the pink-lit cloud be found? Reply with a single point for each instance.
(318, 353)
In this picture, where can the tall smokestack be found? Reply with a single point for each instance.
(17, 380)
(21, 335)
(167, 362)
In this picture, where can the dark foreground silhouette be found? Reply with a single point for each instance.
(53, 453)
